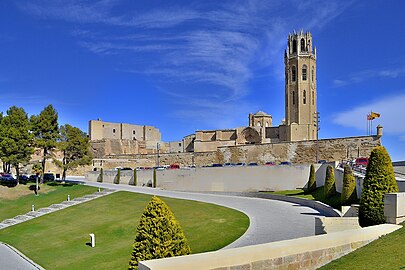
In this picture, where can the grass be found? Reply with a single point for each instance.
(48, 194)
(58, 240)
(317, 195)
(384, 253)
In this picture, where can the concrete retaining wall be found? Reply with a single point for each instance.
(302, 253)
(335, 224)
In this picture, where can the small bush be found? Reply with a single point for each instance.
(330, 188)
(100, 177)
(348, 195)
(118, 177)
(312, 179)
(379, 180)
(159, 235)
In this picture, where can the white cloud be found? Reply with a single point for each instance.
(357, 77)
(391, 109)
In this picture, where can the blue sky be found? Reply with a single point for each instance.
(188, 65)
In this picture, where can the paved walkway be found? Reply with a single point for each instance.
(270, 220)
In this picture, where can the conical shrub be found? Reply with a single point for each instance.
(159, 235)
(329, 188)
(348, 195)
(312, 179)
(379, 180)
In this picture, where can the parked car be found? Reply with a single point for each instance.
(33, 178)
(8, 180)
(240, 164)
(23, 178)
(322, 161)
(48, 177)
(253, 164)
(216, 165)
(174, 166)
(270, 163)
(228, 164)
(362, 161)
(285, 163)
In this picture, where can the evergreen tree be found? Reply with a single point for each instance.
(154, 178)
(16, 140)
(329, 188)
(312, 179)
(348, 195)
(159, 235)
(135, 177)
(75, 147)
(379, 180)
(101, 176)
(117, 177)
(46, 131)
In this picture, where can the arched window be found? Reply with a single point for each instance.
(302, 45)
(258, 124)
(312, 74)
(267, 124)
(293, 97)
(304, 97)
(293, 74)
(304, 72)
(294, 46)
(309, 45)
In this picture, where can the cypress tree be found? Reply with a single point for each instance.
(135, 177)
(329, 188)
(100, 177)
(159, 235)
(348, 195)
(154, 178)
(379, 180)
(312, 179)
(118, 177)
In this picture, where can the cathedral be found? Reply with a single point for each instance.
(301, 116)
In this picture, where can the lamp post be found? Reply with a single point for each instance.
(317, 122)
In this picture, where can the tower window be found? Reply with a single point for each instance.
(312, 74)
(113, 130)
(304, 98)
(293, 97)
(313, 98)
(133, 132)
(293, 74)
(258, 124)
(294, 46)
(304, 72)
(302, 45)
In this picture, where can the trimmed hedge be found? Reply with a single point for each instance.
(312, 179)
(348, 195)
(159, 235)
(330, 188)
(379, 180)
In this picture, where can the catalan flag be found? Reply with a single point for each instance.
(374, 115)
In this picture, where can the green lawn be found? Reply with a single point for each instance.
(317, 195)
(58, 240)
(384, 253)
(57, 193)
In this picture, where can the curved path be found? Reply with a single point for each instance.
(270, 220)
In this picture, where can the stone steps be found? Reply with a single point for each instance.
(52, 208)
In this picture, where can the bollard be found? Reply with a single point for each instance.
(68, 198)
(92, 240)
(33, 208)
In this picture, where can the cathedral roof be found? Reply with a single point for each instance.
(261, 113)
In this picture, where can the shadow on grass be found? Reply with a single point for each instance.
(53, 184)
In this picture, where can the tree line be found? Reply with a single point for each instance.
(20, 135)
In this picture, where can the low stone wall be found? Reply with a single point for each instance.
(394, 207)
(302, 253)
(335, 224)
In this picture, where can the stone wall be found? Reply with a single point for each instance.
(302, 253)
(302, 151)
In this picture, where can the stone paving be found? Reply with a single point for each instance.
(52, 208)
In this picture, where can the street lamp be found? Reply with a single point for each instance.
(317, 121)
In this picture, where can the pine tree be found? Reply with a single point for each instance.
(379, 180)
(329, 188)
(348, 195)
(159, 235)
(312, 179)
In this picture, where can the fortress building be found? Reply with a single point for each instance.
(293, 140)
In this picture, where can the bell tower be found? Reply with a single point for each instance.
(300, 87)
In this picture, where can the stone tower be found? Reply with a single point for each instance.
(300, 87)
